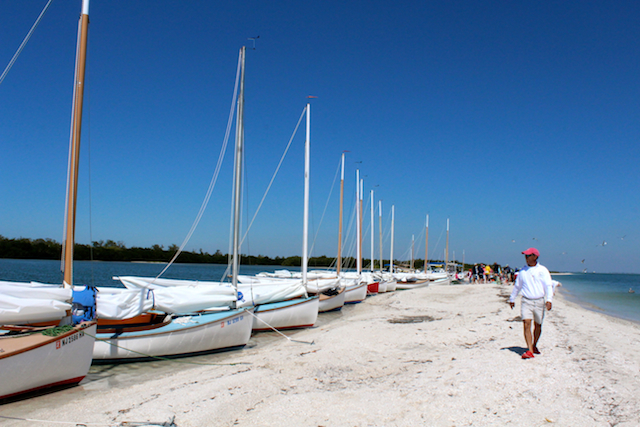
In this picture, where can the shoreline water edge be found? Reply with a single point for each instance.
(434, 356)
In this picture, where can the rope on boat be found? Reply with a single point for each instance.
(274, 329)
(31, 420)
(165, 358)
(24, 42)
(325, 207)
(214, 178)
(169, 423)
(286, 150)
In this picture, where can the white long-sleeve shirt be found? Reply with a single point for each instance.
(534, 282)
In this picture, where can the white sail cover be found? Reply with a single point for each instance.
(22, 303)
(199, 291)
(119, 304)
(315, 284)
(182, 296)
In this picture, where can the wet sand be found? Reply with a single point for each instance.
(435, 356)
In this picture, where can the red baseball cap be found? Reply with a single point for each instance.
(533, 251)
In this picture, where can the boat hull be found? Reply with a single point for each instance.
(35, 362)
(356, 293)
(291, 314)
(331, 302)
(372, 288)
(422, 283)
(182, 336)
(390, 285)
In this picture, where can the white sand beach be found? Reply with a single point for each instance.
(435, 356)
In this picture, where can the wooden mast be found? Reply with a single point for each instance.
(412, 245)
(426, 246)
(74, 146)
(446, 254)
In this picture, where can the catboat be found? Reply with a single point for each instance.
(33, 358)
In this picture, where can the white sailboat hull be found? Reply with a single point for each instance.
(355, 293)
(291, 314)
(421, 284)
(382, 287)
(183, 336)
(333, 302)
(391, 285)
(34, 362)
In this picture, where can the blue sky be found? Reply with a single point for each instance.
(518, 121)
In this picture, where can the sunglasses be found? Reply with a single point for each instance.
(528, 255)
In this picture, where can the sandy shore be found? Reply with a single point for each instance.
(436, 356)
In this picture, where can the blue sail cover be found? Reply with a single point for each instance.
(84, 305)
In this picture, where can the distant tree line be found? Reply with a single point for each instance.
(110, 250)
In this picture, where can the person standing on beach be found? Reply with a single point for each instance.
(534, 281)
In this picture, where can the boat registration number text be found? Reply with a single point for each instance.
(68, 340)
(232, 321)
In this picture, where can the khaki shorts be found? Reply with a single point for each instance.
(533, 309)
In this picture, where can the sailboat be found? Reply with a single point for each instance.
(203, 316)
(356, 288)
(274, 304)
(34, 358)
(299, 312)
(387, 281)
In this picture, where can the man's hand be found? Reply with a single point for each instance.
(548, 305)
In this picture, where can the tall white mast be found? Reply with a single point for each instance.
(305, 237)
(74, 147)
(372, 222)
(237, 182)
(358, 230)
(339, 263)
(393, 210)
(380, 228)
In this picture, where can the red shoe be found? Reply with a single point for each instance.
(527, 355)
(535, 350)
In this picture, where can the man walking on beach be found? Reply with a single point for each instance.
(534, 281)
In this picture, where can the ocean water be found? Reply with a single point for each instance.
(98, 273)
(605, 293)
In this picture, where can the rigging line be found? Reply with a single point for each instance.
(435, 249)
(245, 186)
(274, 329)
(325, 207)
(214, 178)
(72, 423)
(24, 42)
(351, 235)
(274, 176)
(88, 127)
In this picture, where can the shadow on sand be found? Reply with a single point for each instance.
(517, 350)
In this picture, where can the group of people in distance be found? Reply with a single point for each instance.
(481, 273)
